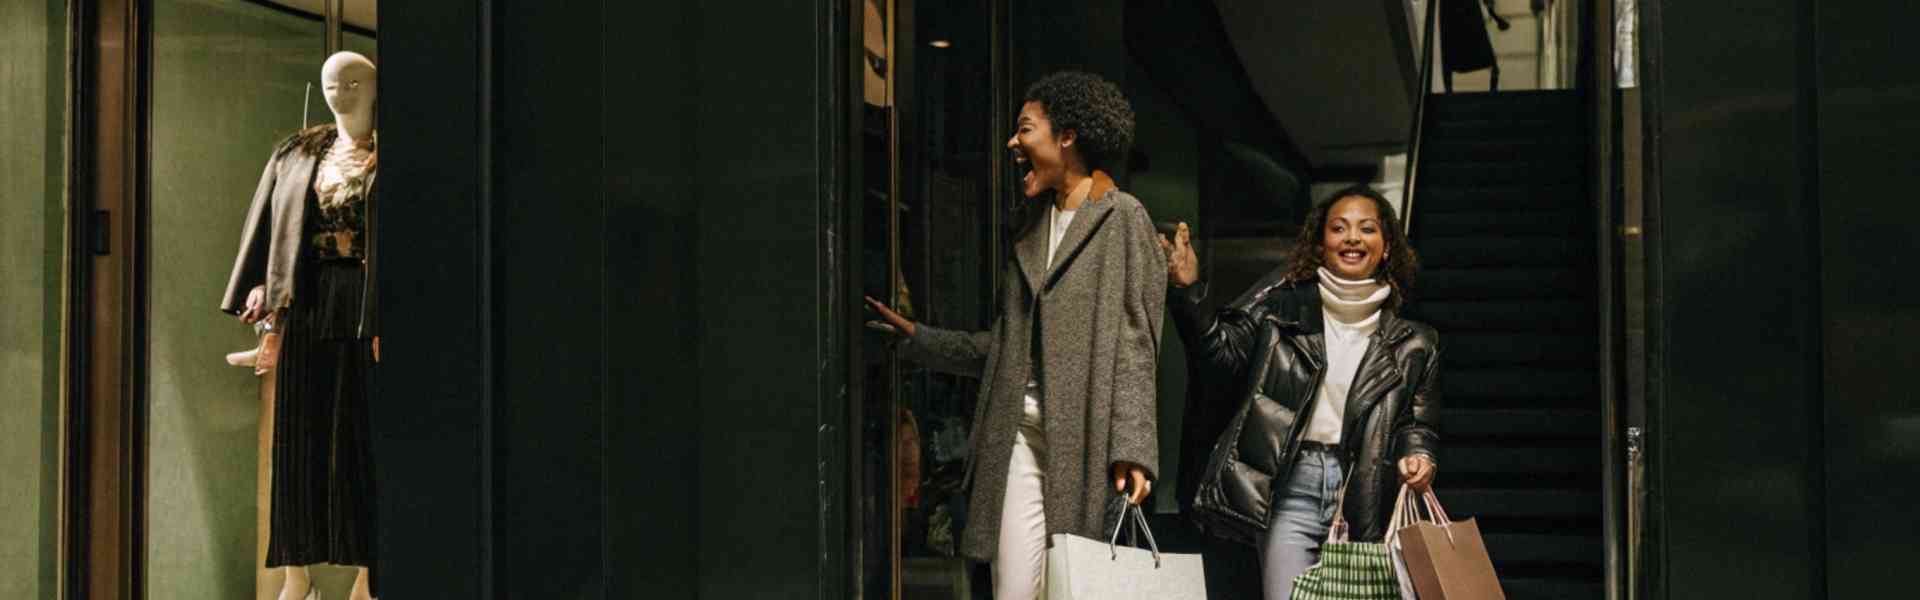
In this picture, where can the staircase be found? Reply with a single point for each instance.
(1503, 221)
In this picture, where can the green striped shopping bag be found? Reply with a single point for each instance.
(1347, 570)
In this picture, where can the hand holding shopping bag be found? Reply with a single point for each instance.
(1082, 569)
(1446, 559)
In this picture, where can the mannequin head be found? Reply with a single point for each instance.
(347, 80)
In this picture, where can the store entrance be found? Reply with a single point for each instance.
(931, 211)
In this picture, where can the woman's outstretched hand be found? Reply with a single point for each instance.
(888, 318)
(1183, 268)
(1125, 471)
(1417, 471)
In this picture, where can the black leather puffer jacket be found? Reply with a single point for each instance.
(1277, 347)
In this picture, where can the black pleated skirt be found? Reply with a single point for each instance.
(323, 496)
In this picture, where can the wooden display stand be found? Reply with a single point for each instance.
(267, 581)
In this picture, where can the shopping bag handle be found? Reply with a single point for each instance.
(1139, 523)
(1438, 513)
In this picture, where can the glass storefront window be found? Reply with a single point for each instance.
(230, 80)
(33, 181)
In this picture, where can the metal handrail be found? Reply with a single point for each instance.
(1419, 118)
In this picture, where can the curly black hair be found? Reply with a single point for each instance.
(1091, 107)
(1397, 268)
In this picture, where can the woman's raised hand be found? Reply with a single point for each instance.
(889, 320)
(1183, 268)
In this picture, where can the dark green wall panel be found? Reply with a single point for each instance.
(549, 305)
(432, 413)
(652, 391)
(1869, 129)
(1730, 435)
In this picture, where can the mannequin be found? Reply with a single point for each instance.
(306, 264)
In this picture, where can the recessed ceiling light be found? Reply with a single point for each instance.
(940, 44)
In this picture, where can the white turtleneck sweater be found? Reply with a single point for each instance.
(1352, 311)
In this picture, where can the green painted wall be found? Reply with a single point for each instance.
(32, 192)
(229, 80)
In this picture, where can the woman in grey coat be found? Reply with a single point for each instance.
(1066, 413)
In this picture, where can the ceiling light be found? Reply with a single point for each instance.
(940, 44)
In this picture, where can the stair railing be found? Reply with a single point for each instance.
(1419, 118)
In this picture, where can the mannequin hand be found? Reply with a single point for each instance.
(376, 349)
(1417, 471)
(256, 305)
(1123, 471)
(1183, 268)
(891, 319)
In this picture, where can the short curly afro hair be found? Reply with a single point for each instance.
(1090, 106)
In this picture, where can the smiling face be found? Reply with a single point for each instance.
(1043, 154)
(1353, 241)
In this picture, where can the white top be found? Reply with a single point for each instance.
(1059, 219)
(1352, 311)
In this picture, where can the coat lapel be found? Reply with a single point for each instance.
(1031, 250)
(1086, 221)
(1378, 371)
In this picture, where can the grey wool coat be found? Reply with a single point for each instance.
(1095, 314)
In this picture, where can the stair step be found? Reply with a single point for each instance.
(1524, 503)
(1480, 349)
(1505, 250)
(1437, 284)
(1444, 106)
(1569, 149)
(1448, 112)
(1566, 316)
(1536, 548)
(1499, 129)
(1553, 589)
(1460, 425)
(1471, 174)
(1519, 457)
(1525, 221)
(1518, 387)
(1552, 196)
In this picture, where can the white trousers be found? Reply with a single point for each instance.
(1020, 564)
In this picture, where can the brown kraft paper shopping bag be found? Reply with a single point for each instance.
(1447, 559)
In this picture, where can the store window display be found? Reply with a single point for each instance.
(231, 83)
(306, 265)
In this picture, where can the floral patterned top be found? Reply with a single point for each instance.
(339, 226)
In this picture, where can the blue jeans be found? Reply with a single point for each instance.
(1302, 512)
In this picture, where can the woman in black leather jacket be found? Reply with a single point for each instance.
(1336, 388)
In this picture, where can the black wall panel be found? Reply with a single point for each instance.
(1869, 130)
(613, 369)
(430, 414)
(1783, 425)
(549, 308)
(1731, 438)
(651, 391)
(757, 275)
